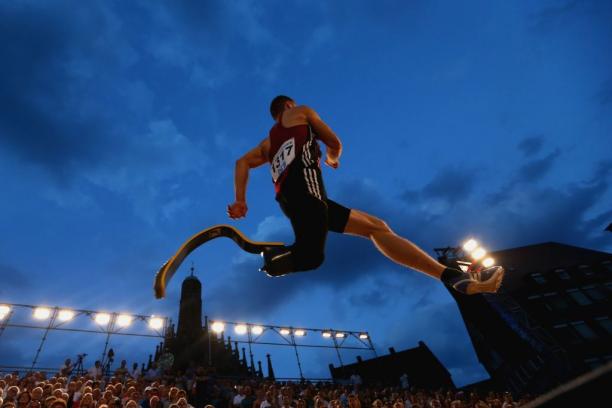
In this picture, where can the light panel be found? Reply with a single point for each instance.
(488, 262)
(478, 253)
(4, 311)
(327, 335)
(299, 332)
(256, 330)
(65, 315)
(218, 327)
(156, 323)
(285, 332)
(42, 313)
(470, 245)
(240, 329)
(340, 335)
(124, 320)
(102, 318)
(363, 336)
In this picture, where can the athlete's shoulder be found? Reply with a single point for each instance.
(305, 109)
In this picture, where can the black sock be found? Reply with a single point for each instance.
(456, 278)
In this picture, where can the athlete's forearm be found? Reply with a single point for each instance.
(241, 178)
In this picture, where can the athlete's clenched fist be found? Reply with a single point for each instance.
(237, 210)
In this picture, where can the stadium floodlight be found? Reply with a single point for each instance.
(470, 245)
(257, 330)
(102, 318)
(218, 327)
(42, 313)
(299, 332)
(326, 334)
(124, 320)
(478, 253)
(285, 332)
(156, 323)
(363, 336)
(4, 311)
(340, 335)
(240, 328)
(488, 262)
(65, 315)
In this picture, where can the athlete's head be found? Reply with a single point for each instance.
(279, 104)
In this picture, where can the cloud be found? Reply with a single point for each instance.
(531, 145)
(604, 96)
(38, 121)
(552, 16)
(535, 170)
(448, 187)
(13, 280)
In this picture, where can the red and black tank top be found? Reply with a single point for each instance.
(295, 159)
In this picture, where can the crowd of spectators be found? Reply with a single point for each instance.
(129, 387)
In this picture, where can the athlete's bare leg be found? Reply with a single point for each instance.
(404, 252)
(394, 247)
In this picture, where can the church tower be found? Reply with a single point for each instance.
(190, 312)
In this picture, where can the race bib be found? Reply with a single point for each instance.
(283, 158)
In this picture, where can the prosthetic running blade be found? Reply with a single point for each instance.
(165, 273)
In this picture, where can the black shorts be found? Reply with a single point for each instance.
(311, 219)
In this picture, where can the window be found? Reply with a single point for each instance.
(605, 323)
(558, 302)
(579, 297)
(585, 331)
(586, 270)
(562, 274)
(565, 334)
(538, 278)
(595, 293)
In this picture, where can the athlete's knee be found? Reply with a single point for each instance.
(377, 225)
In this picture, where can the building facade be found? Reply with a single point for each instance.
(551, 321)
(419, 365)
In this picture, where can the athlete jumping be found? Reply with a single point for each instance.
(294, 155)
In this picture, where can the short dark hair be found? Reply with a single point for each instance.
(277, 106)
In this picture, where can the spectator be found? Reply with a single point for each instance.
(23, 399)
(135, 372)
(96, 371)
(122, 371)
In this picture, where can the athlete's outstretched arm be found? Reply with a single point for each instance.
(254, 158)
(327, 136)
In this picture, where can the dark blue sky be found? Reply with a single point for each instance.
(120, 123)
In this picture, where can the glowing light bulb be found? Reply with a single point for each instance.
(156, 323)
(218, 327)
(42, 313)
(478, 253)
(470, 245)
(488, 262)
(102, 318)
(124, 320)
(65, 315)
